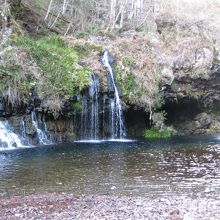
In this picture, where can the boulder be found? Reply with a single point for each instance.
(204, 120)
(29, 127)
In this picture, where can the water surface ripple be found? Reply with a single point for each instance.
(186, 166)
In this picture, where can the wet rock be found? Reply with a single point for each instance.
(14, 144)
(216, 69)
(167, 75)
(29, 127)
(204, 120)
(198, 125)
(174, 215)
(1, 107)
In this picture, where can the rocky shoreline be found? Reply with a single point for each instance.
(68, 206)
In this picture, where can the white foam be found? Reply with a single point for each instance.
(107, 140)
(89, 141)
(120, 140)
(9, 139)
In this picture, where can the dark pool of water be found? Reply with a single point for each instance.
(189, 166)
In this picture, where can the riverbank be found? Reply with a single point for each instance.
(68, 206)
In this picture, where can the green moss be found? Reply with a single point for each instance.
(57, 64)
(25, 87)
(127, 83)
(84, 50)
(125, 45)
(82, 35)
(130, 88)
(71, 135)
(165, 133)
(128, 61)
(47, 66)
(17, 86)
(77, 106)
(16, 9)
(139, 29)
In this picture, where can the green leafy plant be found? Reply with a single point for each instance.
(84, 50)
(71, 135)
(128, 60)
(58, 65)
(156, 134)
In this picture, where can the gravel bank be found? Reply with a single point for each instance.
(68, 206)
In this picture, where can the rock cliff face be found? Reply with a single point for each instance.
(174, 72)
(192, 99)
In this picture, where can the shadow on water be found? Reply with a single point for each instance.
(186, 165)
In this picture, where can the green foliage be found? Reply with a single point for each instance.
(130, 87)
(128, 61)
(15, 84)
(77, 106)
(187, 90)
(165, 133)
(125, 45)
(84, 50)
(71, 135)
(15, 8)
(82, 35)
(132, 90)
(25, 86)
(57, 64)
(159, 129)
(139, 29)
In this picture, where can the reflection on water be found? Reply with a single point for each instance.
(178, 166)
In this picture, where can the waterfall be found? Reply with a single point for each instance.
(116, 113)
(94, 95)
(8, 139)
(90, 110)
(23, 132)
(84, 117)
(23, 129)
(103, 116)
(42, 136)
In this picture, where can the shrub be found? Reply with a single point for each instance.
(60, 77)
(157, 134)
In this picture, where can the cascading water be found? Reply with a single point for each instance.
(42, 136)
(8, 139)
(103, 115)
(116, 113)
(84, 116)
(94, 95)
(25, 139)
(90, 111)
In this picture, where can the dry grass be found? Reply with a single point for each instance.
(207, 11)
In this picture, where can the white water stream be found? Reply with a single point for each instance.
(116, 113)
(8, 139)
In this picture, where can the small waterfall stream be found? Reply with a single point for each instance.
(94, 95)
(41, 134)
(116, 113)
(8, 139)
(90, 111)
(84, 116)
